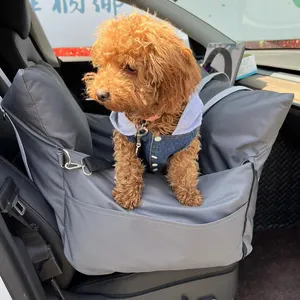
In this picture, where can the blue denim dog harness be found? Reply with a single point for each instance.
(156, 150)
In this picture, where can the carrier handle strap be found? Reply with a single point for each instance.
(205, 80)
(39, 251)
(227, 60)
(218, 97)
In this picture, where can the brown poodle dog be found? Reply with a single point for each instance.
(146, 72)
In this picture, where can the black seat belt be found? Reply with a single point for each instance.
(38, 250)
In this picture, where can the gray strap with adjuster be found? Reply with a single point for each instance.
(214, 100)
(88, 164)
(204, 81)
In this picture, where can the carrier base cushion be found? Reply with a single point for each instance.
(133, 285)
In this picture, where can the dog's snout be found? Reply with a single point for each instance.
(102, 95)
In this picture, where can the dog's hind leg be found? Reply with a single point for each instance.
(128, 173)
(183, 173)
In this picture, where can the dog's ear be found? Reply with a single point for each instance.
(88, 79)
(172, 69)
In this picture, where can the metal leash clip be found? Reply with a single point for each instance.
(141, 132)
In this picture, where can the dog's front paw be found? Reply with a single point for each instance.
(127, 197)
(189, 197)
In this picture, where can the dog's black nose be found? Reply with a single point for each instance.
(102, 95)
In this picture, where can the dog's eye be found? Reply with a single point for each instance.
(129, 69)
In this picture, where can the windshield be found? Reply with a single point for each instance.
(258, 23)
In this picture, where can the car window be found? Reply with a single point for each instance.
(271, 24)
(70, 25)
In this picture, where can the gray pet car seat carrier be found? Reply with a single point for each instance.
(62, 148)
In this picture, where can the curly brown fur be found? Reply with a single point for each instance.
(129, 173)
(183, 182)
(147, 71)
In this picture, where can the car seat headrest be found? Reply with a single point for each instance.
(16, 16)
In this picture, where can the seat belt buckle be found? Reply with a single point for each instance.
(19, 207)
(9, 198)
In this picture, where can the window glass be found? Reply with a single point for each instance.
(259, 23)
(283, 44)
(70, 25)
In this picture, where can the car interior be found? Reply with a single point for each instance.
(271, 271)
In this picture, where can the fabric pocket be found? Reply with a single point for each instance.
(101, 239)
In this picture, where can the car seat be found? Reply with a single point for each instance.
(23, 44)
(18, 49)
